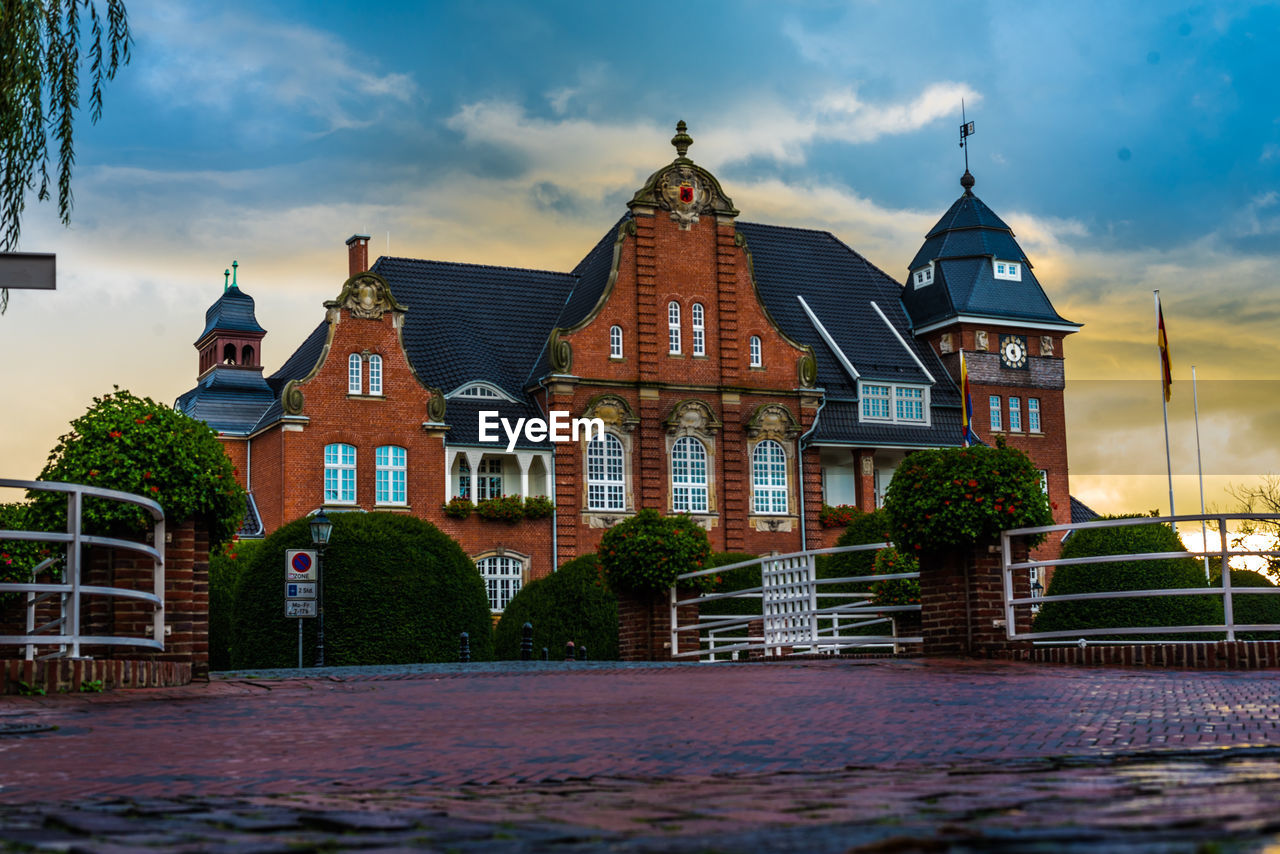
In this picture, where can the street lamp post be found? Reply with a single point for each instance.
(321, 528)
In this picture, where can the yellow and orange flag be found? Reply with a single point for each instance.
(1162, 341)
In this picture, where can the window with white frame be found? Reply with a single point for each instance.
(479, 391)
(375, 375)
(768, 478)
(606, 481)
(997, 423)
(490, 476)
(673, 327)
(689, 493)
(1015, 414)
(1044, 481)
(615, 342)
(908, 403)
(1033, 414)
(875, 401)
(1009, 270)
(339, 474)
(389, 474)
(923, 276)
(757, 357)
(464, 478)
(502, 578)
(699, 330)
(355, 374)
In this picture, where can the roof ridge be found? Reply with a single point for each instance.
(382, 258)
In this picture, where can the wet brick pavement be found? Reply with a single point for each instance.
(804, 756)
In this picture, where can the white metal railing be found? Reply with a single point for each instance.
(788, 608)
(63, 632)
(1222, 555)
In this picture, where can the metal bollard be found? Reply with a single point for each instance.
(582, 653)
(546, 654)
(464, 648)
(568, 651)
(526, 642)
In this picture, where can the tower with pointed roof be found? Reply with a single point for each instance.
(971, 288)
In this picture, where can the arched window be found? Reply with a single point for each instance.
(757, 358)
(246, 355)
(339, 474)
(673, 327)
(606, 479)
(355, 382)
(502, 577)
(699, 330)
(229, 354)
(768, 478)
(375, 375)
(615, 342)
(689, 476)
(389, 486)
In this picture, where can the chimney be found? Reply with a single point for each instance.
(358, 254)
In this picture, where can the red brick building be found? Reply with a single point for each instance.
(744, 374)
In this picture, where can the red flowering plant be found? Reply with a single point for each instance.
(961, 496)
(895, 591)
(18, 557)
(458, 507)
(137, 445)
(837, 516)
(647, 551)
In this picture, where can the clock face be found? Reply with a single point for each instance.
(1013, 351)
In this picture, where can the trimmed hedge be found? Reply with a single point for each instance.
(226, 565)
(571, 604)
(1128, 575)
(1252, 609)
(735, 579)
(396, 590)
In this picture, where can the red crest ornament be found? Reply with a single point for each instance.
(686, 193)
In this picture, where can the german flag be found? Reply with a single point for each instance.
(1162, 341)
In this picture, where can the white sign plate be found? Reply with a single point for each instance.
(299, 607)
(300, 565)
(300, 590)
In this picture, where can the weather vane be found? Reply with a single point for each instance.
(966, 131)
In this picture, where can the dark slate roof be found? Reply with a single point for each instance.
(251, 528)
(458, 326)
(962, 246)
(229, 399)
(303, 359)
(1081, 512)
(838, 424)
(231, 312)
(463, 417)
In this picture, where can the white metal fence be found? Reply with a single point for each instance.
(62, 635)
(790, 612)
(1220, 556)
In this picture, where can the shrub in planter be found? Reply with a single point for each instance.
(571, 604)
(1128, 575)
(941, 499)
(396, 590)
(646, 552)
(458, 508)
(508, 508)
(538, 507)
(838, 516)
(140, 446)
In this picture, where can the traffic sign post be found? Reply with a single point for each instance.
(300, 583)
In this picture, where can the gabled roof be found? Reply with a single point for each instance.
(961, 247)
(231, 312)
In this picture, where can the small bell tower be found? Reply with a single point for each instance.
(232, 337)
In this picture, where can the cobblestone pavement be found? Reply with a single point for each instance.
(807, 756)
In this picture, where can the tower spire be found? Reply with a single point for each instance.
(966, 131)
(681, 140)
(234, 269)
(226, 280)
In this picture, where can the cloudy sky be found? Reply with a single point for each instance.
(1130, 146)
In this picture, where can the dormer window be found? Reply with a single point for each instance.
(894, 403)
(479, 390)
(923, 276)
(1009, 270)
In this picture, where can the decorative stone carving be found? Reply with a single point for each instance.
(945, 344)
(559, 353)
(291, 398)
(436, 405)
(868, 465)
(772, 524)
(613, 410)
(980, 340)
(772, 421)
(1046, 345)
(807, 371)
(682, 191)
(603, 520)
(691, 416)
(366, 296)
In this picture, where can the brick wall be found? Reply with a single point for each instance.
(961, 601)
(644, 625)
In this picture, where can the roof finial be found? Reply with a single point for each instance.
(681, 140)
(234, 265)
(966, 131)
(226, 280)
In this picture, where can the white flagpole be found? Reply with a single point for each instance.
(1200, 471)
(1168, 459)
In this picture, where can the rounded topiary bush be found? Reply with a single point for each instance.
(940, 499)
(1127, 575)
(396, 590)
(645, 553)
(571, 604)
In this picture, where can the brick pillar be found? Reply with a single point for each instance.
(644, 625)
(186, 597)
(962, 601)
